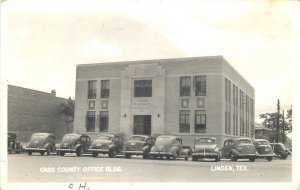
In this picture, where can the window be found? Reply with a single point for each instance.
(200, 85)
(200, 121)
(90, 121)
(103, 121)
(185, 86)
(92, 89)
(143, 88)
(104, 88)
(184, 121)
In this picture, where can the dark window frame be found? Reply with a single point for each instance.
(142, 88)
(103, 121)
(90, 121)
(92, 90)
(200, 85)
(184, 121)
(185, 86)
(200, 127)
(105, 84)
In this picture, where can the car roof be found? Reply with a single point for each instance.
(45, 134)
(140, 136)
(261, 140)
(75, 134)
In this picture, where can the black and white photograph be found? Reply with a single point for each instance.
(139, 94)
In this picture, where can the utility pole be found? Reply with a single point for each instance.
(277, 123)
(283, 128)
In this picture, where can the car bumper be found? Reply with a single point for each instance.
(160, 153)
(246, 155)
(204, 155)
(67, 150)
(265, 155)
(102, 151)
(35, 149)
(133, 152)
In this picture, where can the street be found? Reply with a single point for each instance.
(69, 168)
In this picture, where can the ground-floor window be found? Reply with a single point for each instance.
(184, 117)
(103, 121)
(90, 121)
(200, 121)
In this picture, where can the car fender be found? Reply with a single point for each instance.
(174, 150)
(234, 151)
(77, 146)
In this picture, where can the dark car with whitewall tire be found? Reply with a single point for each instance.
(280, 150)
(205, 147)
(74, 143)
(13, 146)
(239, 148)
(109, 144)
(139, 145)
(263, 149)
(42, 143)
(168, 146)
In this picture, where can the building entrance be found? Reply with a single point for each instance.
(142, 125)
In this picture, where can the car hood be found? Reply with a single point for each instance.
(102, 142)
(206, 146)
(162, 146)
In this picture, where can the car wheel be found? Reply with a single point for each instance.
(29, 153)
(186, 158)
(127, 156)
(61, 153)
(79, 152)
(252, 159)
(217, 159)
(48, 151)
(112, 153)
(42, 153)
(95, 154)
(269, 158)
(283, 156)
(146, 156)
(9, 151)
(168, 157)
(175, 156)
(232, 157)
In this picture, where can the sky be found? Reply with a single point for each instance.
(42, 41)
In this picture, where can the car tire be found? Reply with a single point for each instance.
(217, 159)
(95, 154)
(48, 151)
(127, 156)
(42, 153)
(61, 153)
(29, 153)
(79, 152)
(112, 153)
(232, 157)
(252, 159)
(175, 156)
(269, 158)
(146, 156)
(283, 156)
(168, 158)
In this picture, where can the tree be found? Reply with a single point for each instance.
(67, 112)
(289, 119)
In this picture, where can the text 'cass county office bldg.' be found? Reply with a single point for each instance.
(188, 97)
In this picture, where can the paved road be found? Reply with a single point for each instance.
(53, 168)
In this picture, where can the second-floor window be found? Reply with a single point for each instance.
(185, 86)
(104, 88)
(92, 89)
(143, 88)
(200, 85)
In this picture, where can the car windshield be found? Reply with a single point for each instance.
(138, 138)
(263, 142)
(205, 141)
(163, 139)
(38, 137)
(244, 141)
(104, 137)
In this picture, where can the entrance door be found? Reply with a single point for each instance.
(142, 125)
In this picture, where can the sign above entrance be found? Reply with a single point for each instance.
(142, 103)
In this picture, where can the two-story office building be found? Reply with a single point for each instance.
(188, 97)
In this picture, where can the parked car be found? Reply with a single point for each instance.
(263, 149)
(239, 148)
(205, 147)
(139, 145)
(168, 146)
(13, 146)
(74, 143)
(280, 150)
(41, 142)
(107, 144)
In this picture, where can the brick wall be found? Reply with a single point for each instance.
(31, 111)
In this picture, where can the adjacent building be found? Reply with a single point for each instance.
(188, 97)
(30, 111)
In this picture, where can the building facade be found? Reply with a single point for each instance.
(31, 111)
(188, 97)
